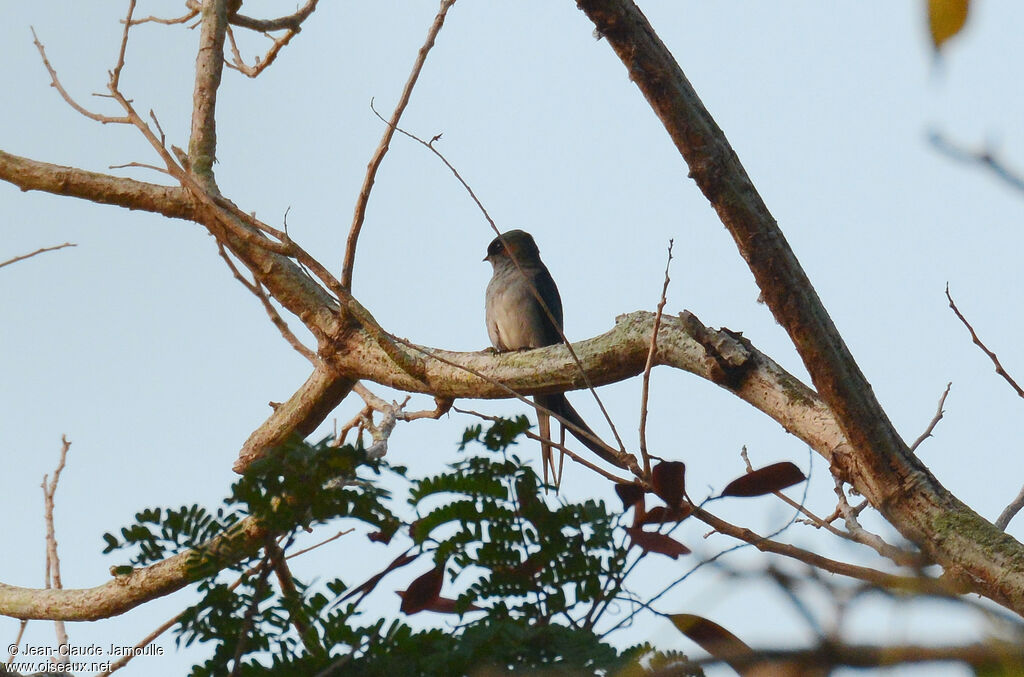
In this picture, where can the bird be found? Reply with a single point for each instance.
(524, 310)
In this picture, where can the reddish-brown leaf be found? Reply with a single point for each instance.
(400, 561)
(659, 514)
(441, 605)
(381, 536)
(423, 592)
(629, 494)
(660, 543)
(669, 481)
(774, 477)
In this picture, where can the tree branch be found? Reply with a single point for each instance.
(877, 462)
(382, 148)
(126, 592)
(202, 146)
(170, 201)
(41, 250)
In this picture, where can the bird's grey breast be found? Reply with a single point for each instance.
(515, 319)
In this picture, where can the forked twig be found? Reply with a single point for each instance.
(55, 82)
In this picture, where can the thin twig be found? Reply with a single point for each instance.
(977, 342)
(115, 75)
(935, 420)
(322, 543)
(268, 58)
(986, 158)
(540, 300)
(36, 253)
(140, 165)
(881, 579)
(17, 640)
(645, 389)
(257, 290)
(861, 535)
(1010, 511)
(55, 82)
(812, 519)
(259, 587)
(293, 600)
(382, 148)
(568, 452)
(52, 558)
(168, 22)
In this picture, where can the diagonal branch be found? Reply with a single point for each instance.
(128, 591)
(878, 463)
(41, 250)
(382, 148)
(977, 341)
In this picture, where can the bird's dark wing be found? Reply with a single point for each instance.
(545, 286)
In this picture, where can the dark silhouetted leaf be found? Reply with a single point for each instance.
(423, 592)
(372, 582)
(441, 605)
(668, 479)
(629, 494)
(774, 477)
(381, 536)
(660, 543)
(660, 514)
(714, 639)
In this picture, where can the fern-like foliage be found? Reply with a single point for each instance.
(533, 573)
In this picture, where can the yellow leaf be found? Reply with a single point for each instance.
(945, 19)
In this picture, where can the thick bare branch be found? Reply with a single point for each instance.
(26, 174)
(299, 416)
(877, 462)
(202, 146)
(141, 585)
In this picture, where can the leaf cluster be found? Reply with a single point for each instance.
(534, 572)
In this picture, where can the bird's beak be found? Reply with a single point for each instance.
(485, 258)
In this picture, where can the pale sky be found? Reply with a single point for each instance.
(142, 349)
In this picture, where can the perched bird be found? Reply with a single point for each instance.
(516, 320)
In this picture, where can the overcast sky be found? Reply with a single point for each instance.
(142, 349)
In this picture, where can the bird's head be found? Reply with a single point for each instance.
(517, 244)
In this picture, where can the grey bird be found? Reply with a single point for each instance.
(516, 320)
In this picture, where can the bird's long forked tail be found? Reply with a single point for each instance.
(558, 405)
